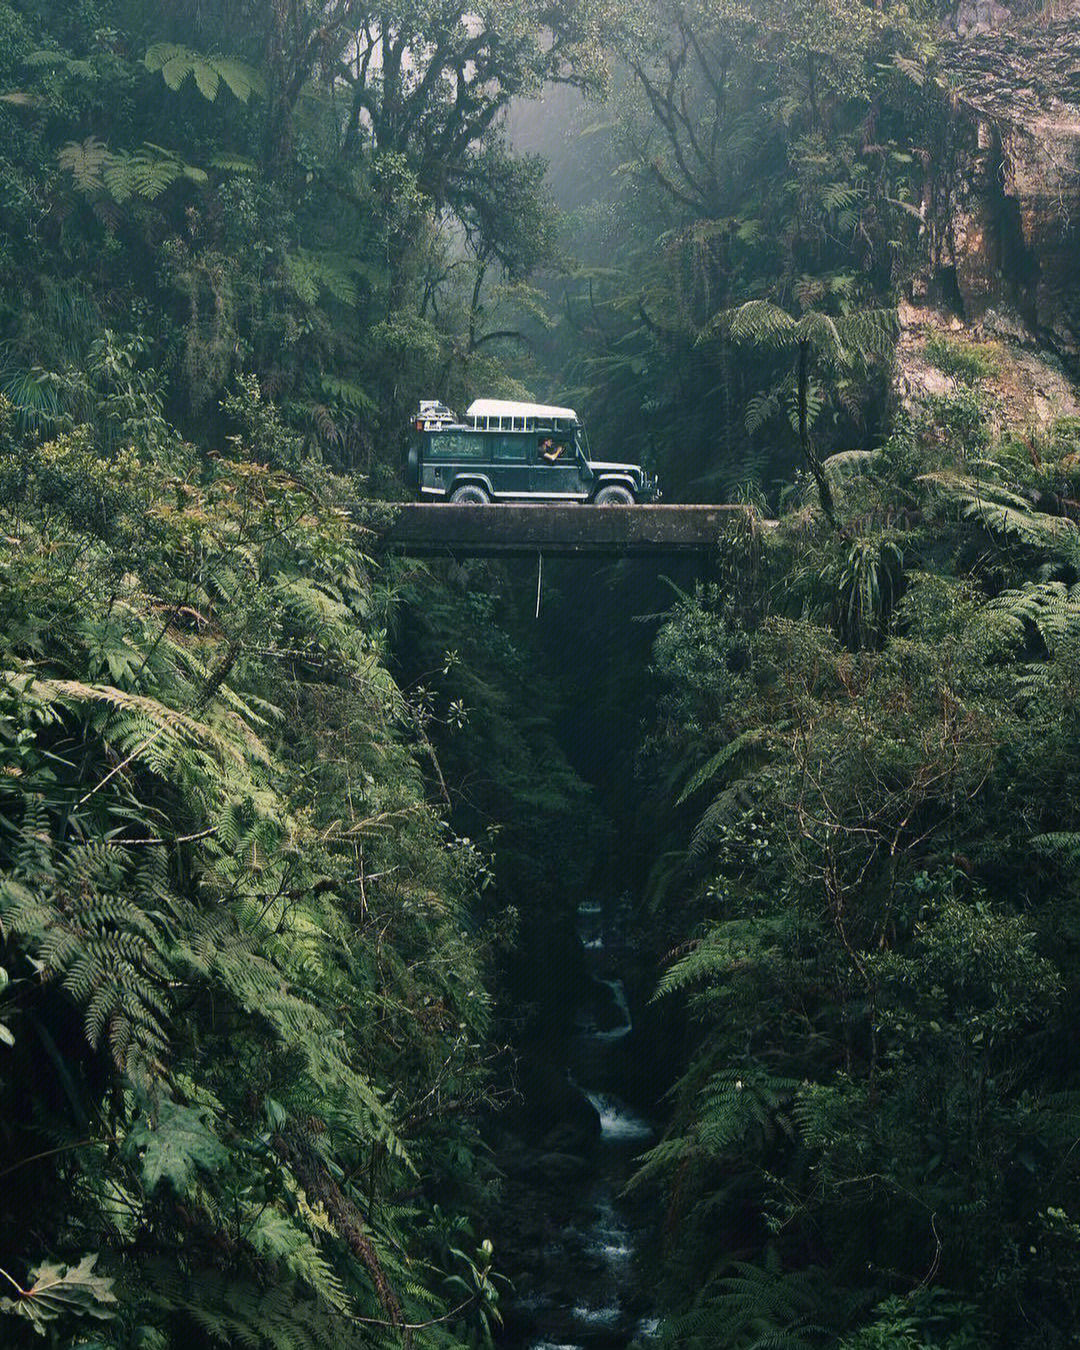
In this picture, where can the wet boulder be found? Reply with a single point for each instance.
(549, 1101)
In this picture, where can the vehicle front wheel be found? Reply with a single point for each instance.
(614, 495)
(470, 494)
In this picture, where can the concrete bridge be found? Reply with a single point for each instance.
(424, 529)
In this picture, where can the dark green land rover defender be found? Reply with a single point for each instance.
(503, 451)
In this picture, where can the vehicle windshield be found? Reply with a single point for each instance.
(582, 439)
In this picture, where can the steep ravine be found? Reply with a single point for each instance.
(574, 1237)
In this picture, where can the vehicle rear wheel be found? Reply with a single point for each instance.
(614, 495)
(470, 494)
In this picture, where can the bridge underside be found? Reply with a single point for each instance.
(424, 529)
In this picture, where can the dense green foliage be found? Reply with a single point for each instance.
(318, 193)
(869, 889)
(243, 1012)
(246, 1013)
(770, 156)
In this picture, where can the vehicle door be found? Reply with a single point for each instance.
(556, 470)
(508, 456)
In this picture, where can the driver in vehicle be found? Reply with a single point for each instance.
(549, 450)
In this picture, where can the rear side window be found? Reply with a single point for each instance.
(508, 447)
(456, 445)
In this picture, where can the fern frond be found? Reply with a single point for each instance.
(1050, 608)
(758, 322)
(278, 1239)
(177, 64)
(761, 409)
(234, 164)
(1061, 845)
(1004, 512)
(86, 161)
(759, 1307)
(850, 464)
(143, 718)
(823, 335)
(723, 757)
(728, 806)
(724, 947)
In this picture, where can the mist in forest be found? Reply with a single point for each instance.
(573, 136)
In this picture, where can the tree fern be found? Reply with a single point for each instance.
(122, 175)
(758, 322)
(1049, 609)
(759, 1307)
(1003, 511)
(818, 341)
(177, 64)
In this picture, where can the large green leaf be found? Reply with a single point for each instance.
(174, 1147)
(59, 1289)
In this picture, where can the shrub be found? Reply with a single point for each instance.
(966, 361)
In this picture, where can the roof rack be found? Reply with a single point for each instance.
(433, 415)
(507, 413)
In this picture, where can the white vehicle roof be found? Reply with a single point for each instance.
(501, 407)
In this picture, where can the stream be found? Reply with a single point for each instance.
(581, 1289)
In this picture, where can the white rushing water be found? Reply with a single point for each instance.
(618, 995)
(587, 1301)
(603, 1317)
(617, 1121)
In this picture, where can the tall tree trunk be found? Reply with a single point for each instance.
(824, 491)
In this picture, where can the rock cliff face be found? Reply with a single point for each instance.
(1027, 389)
(1004, 212)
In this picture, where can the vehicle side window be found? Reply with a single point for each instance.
(456, 445)
(508, 447)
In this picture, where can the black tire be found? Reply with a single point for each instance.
(614, 495)
(470, 494)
